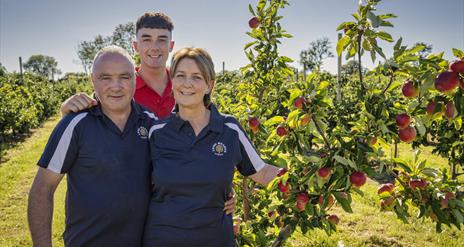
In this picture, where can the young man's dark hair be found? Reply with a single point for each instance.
(154, 20)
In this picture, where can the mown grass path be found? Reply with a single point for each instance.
(367, 226)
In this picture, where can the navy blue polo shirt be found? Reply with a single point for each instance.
(108, 176)
(192, 176)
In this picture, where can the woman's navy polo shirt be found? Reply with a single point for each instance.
(192, 174)
(108, 176)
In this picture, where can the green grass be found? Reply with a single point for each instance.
(16, 176)
(367, 226)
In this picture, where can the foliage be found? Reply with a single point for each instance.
(318, 50)
(42, 65)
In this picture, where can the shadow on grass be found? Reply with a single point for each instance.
(11, 141)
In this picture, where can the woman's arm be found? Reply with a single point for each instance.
(265, 175)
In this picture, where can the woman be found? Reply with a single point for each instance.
(194, 154)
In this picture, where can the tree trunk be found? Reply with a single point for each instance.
(246, 201)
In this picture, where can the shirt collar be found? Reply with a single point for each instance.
(216, 121)
(140, 83)
(136, 110)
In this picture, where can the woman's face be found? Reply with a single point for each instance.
(188, 84)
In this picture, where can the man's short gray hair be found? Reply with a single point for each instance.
(112, 49)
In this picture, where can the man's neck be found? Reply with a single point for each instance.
(156, 78)
(118, 118)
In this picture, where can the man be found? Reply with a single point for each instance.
(154, 87)
(104, 152)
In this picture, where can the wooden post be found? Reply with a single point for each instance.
(339, 72)
(223, 67)
(21, 82)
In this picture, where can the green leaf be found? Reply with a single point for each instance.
(420, 127)
(274, 120)
(430, 172)
(458, 216)
(345, 162)
(374, 20)
(385, 36)
(250, 8)
(323, 85)
(458, 53)
(342, 43)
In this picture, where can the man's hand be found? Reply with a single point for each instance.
(229, 206)
(76, 103)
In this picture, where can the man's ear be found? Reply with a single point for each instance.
(171, 45)
(135, 46)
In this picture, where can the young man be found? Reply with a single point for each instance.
(104, 152)
(154, 87)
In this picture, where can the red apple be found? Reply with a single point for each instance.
(446, 81)
(299, 102)
(387, 204)
(305, 119)
(330, 201)
(282, 172)
(284, 188)
(281, 131)
(301, 200)
(372, 140)
(253, 22)
(457, 66)
(431, 108)
(417, 183)
(409, 90)
(253, 122)
(450, 195)
(407, 134)
(403, 120)
(333, 219)
(444, 203)
(386, 187)
(358, 179)
(324, 172)
(450, 110)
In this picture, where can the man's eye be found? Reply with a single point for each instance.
(180, 76)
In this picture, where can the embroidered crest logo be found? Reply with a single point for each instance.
(219, 149)
(142, 132)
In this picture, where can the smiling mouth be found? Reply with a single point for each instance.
(154, 56)
(187, 93)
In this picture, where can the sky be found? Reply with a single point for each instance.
(55, 27)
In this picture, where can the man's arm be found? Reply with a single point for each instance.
(265, 175)
(76, 103)
(40, 207)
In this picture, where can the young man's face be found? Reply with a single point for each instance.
(113, 79)
(153, 46)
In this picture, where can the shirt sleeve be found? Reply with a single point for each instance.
(61, 151)
(250, 161)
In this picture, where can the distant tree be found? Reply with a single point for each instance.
(3, 70)
(318, 50)
(42, 65)
(123, 35)
(426, 51)
(351, 68)
(87, 50)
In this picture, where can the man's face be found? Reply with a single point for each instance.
(113, 79)
(153, 46)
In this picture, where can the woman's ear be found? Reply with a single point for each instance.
(210, 86)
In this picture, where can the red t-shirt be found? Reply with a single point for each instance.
(161, 105)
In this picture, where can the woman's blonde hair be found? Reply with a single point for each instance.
(202, 60)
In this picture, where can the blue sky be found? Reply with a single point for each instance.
(55, 27)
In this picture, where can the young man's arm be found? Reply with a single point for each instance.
(76, 103)
(40, 207)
